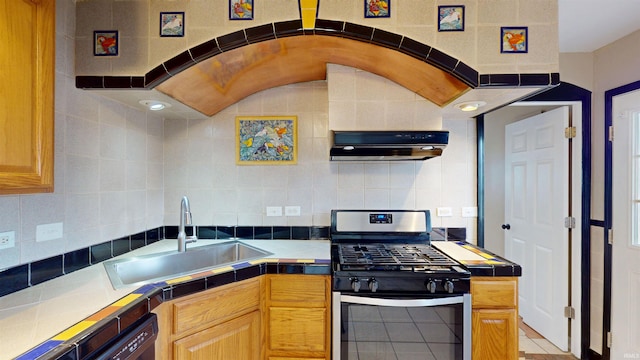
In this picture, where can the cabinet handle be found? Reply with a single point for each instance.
(506, 226)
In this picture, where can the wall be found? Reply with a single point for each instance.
(108, 168)
(200, 158)
(142, 48)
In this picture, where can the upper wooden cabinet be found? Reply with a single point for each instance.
(27, 54)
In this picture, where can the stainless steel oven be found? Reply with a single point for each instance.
(399, 328)
(395, 296)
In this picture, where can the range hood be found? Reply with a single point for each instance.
(387, 145)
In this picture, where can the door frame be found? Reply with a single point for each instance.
(560, 95)
(608, 208)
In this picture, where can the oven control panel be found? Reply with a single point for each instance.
(380, 218)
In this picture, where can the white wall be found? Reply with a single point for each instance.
(108, 168)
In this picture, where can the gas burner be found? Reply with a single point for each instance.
(391, 256)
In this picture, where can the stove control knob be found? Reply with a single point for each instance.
(431, 286)
(448, 286)
(373, 285)
(355, 285)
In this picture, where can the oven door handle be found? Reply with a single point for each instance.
(401, 302)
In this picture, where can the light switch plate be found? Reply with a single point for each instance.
(274, 210)
(444, 211)
(46, 232)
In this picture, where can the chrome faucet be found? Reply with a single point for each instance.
(185, 219)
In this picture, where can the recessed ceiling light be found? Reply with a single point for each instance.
(155, 105)
(471, 105)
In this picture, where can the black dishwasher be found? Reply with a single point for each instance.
(135, 344)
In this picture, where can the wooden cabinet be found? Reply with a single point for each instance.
(274, 317)
(298, 317)
(221, 323)
(27, 53)
(494, 318)
(234, 339)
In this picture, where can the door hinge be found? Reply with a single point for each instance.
(611, 133)
(610, 236)
(570, 222)
(569, 312)
(570, 132)
(609, 339)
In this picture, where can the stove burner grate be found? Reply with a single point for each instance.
(391, 256)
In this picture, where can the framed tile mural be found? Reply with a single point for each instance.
(514, 39)
(241, 9)
(266, 140)
(105, 43)
(172, 24)
(451, 18)
(377, 8)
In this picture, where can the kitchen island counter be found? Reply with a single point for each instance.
(49, 317)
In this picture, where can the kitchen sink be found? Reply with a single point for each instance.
(140, 270)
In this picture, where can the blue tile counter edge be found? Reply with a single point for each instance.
(68, 344)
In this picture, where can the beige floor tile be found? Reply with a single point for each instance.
(548, 346)
(530, 347)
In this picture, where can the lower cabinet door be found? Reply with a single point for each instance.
(297, 329)
(237, 339)
(494, 334)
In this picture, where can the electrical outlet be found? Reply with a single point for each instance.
(444, 211)
(7, 239)
(469, 212)
(274, 210)
(292, 210)
(46, 232)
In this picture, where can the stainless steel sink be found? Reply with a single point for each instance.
(152, 268)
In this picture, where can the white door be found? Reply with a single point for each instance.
(536, 204)
(625, 282)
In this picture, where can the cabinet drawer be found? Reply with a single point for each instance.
(491, 292)
(216, 305)
(290, 289)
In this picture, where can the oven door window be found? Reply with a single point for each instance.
(405, 333)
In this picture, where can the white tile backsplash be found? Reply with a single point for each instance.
(97, 196)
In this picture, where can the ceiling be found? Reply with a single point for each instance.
(587, 25)
(584, 26)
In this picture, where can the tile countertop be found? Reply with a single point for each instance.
(479, 261)
(34, 315)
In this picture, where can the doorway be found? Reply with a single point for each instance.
(621, 319)
(495, 125)
(491, 193)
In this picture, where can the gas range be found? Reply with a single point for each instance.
(390, 252)
(387, 277)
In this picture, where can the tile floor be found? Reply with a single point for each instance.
(535, 347)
